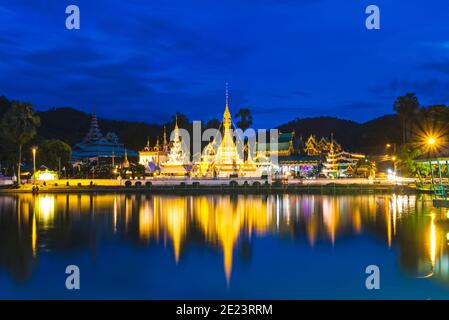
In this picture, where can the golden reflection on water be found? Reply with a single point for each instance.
(419, 231)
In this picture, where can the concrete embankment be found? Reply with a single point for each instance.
(255, 187)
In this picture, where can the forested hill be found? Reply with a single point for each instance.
(71, 125)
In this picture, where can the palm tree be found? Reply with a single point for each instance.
(19, 126)
(246, 119)
(407, 107)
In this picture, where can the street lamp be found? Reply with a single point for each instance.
(393, 158)
(34, 149)
(431, 141)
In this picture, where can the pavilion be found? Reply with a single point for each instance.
(438, 163)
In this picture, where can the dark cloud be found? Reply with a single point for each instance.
(442, 67)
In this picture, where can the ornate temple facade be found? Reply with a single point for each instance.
(177, 163)
(225, 158)
(152, 157)
(330, 165)
(96, 147)
(312, 158)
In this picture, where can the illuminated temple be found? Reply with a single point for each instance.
(152, 157)
(177, 163)
(225, 158)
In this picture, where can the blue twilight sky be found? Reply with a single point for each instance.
(145, 60)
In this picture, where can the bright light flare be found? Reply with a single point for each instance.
(431, 140)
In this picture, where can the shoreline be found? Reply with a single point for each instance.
(227, 189)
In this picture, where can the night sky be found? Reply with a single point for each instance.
(145, 60)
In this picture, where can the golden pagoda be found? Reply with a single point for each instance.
(225, 161)
(177, 163)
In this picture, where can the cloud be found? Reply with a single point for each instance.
(441, 66)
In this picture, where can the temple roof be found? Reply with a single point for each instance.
(286, 137)
(96, 145)
(434, 156)
(94, 133)
(92, 150)
(272, 146)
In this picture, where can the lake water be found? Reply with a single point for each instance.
(222, 246)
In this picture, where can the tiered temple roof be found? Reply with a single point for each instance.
(284, 147)
(95, 145)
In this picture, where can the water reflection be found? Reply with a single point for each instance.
(31, 225)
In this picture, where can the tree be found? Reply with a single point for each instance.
(183, 121)
(54, 154)
(433, 120)
(213, 124)
(5, 104)
(19, 126)
(246, 119)
(407, 163)
(407, 107)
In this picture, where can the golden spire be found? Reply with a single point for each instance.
(227, 114)
(176, 131)
(165, 135)
(157, 144)
(125, 163)
(227, 95)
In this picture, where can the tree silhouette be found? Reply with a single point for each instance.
(407, 107)
(54, 154)
(19, 126)
(245, 118)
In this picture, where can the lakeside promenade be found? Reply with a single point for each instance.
(222, 185)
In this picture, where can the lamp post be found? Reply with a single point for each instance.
(34, 149)
(393, 158)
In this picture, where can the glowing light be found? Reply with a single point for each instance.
(431, 141)
(34, 235)
(115, 214)
(46, 207)
(433, 242)
(46, 175)
(391, 175)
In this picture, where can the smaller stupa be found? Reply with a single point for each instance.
(177, 163)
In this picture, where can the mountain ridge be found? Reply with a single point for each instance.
(70, 125)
